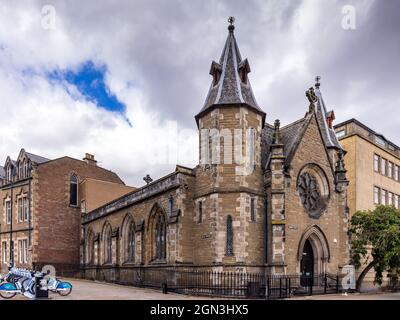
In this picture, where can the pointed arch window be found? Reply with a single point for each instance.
(108, 245)
(160, 238)
(170, 205)
(229, 236)
(73, 190)
(90, 249)
(131, 242)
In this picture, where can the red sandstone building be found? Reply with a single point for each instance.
(41, 202)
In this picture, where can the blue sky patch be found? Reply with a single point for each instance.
(89, 80)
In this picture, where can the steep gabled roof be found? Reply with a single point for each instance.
(291, 135)
(2, 173)
(328, 134)
(32, 157)
(229, 89)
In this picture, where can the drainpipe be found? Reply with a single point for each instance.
(29, 208)
(11, 222)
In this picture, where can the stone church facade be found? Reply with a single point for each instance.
(264, 198)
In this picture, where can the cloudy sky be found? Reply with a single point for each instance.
(124, 79)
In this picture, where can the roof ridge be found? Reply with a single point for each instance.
(293, 123)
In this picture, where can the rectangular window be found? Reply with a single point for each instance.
(253, 209)
(396, 173)
(390, 169)
(376, 163)
(23, 251)
(20, 212)
(200, 211)
(383, 197)
(380, 141)
(26, 208)
(396, 201)
(4, 252)
(8, 212)
(383, 166)
(340, 133)
(390, 198)
(376, 195)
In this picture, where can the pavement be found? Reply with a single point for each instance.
(93, 290)
(353, 296)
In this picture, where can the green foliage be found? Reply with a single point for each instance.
(376, 235)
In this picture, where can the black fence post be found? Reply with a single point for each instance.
(164, 287)
(290, 287)
(286, 287)
(325, 283)
(337, 283)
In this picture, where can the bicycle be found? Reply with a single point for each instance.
(63, 288)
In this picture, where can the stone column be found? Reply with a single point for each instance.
(277, 206)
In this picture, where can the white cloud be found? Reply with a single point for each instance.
(157, 57)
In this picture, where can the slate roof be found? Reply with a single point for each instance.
(2, 172)
(290, 137)
(291, 134)
(36, 159)
(230, 89)
(328, 134)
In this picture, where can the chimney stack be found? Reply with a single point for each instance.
(89, 159)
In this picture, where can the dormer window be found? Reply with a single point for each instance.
(215, 71)
(244, 70)
(243, 76)
(9, 173)
(26, 169)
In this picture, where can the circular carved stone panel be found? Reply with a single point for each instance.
(309, 192)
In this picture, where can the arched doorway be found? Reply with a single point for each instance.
(307, 264)
(313, 252)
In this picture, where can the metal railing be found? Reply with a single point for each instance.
(222, 284)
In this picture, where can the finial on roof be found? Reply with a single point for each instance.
(312, 97)
(231, 26)
(276, 137)
(317, 82)
(147, 179)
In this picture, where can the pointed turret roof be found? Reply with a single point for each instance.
(230, 85)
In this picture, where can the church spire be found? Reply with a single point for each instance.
(230, 84)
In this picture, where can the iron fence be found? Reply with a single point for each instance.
(222, 284)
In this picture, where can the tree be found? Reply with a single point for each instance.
(376, 242)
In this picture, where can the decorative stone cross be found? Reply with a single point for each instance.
(317, 81)
(231, 20)
(147, 179)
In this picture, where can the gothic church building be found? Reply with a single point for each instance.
(264, 198)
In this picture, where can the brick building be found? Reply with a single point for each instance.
(263, 198)
(40, 208)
